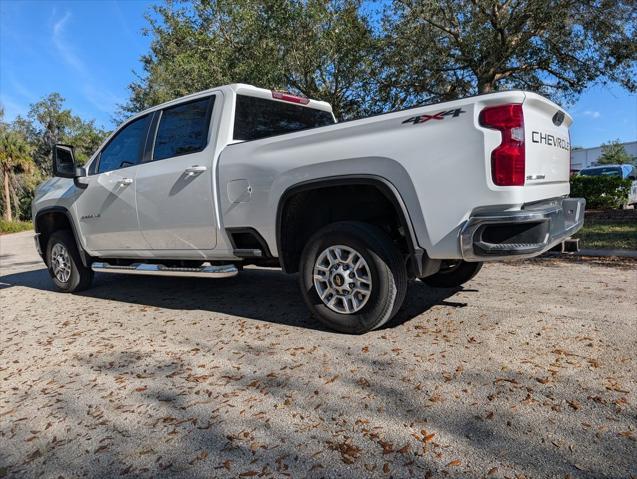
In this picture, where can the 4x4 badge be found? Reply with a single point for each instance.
(441, 115)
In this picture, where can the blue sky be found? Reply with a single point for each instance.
(87, 50)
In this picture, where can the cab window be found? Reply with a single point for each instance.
(257, 118)
(126, 147)
(183, 129)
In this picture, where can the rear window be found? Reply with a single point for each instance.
(183, 129)
(259, 118)
(610, 171)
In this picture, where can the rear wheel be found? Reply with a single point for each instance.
(453, 273)
(65, 265)
(352, 277)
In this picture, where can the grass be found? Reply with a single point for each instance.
(7, 227)
(608, 235)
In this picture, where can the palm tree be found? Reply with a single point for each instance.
(15, 157)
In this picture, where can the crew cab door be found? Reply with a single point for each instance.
(106, 208)
(174, 188)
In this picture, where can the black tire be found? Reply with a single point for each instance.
(453, 274)
(386, 268)
(80, 276)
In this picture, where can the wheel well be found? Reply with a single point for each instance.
(48, 223)
(306, 210)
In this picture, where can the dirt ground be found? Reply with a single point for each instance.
(527, 371)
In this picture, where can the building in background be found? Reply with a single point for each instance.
(585, 157)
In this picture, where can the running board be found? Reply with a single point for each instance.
(224, 271)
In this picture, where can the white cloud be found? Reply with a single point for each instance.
(21, 89)
(99, 97)
(68, 55)
(103, 100)
(591, 114)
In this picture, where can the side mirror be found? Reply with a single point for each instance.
(64, 162)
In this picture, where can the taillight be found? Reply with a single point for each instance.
(279, 95)
(507, 160)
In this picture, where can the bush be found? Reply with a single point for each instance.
(14, 226)
(601, 192)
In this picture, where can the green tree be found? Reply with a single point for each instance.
(323, 49)
(48, 122)
(15, 157)
(85, 137)
(614, 153)
(445, 49)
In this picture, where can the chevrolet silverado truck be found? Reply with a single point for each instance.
(238, 175)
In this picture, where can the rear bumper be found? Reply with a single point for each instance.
(523, 233)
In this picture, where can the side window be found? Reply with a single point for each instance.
(126, 147)
(183, 129)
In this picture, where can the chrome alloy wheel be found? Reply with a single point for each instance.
(61, 262)
(342, 279)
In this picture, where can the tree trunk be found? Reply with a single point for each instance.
(486, 86)
(7, 197)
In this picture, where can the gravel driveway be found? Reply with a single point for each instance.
(528, 371)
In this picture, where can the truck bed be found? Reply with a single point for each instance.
(436, 157)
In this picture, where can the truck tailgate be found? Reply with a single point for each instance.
(548, 149)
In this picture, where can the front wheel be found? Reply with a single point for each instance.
(65, 265)
(453, 273)
(352, 277)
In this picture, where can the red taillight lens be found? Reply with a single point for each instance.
(279, 95)
(507, 160)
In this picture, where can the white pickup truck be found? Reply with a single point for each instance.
(238, 175)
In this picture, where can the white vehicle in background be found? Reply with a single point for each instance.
(239, 175)
(621, 171)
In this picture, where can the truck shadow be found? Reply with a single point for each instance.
(261, 294)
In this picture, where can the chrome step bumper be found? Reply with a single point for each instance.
(523, 233)
(224, 271)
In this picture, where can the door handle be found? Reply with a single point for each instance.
(195, 170)
(125, 181)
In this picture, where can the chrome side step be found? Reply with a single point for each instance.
(224, 271)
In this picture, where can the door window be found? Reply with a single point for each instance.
(126, 147)
(183, 129)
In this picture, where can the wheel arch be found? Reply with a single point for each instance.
(416, 254)
(54, 218)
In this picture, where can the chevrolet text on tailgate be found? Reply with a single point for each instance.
(238, 175)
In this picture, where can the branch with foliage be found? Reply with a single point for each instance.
(15, 157)
(614, 153)
(322, 49)
(416, 51)
(445, 49)
(48, 122)
(26, 145)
